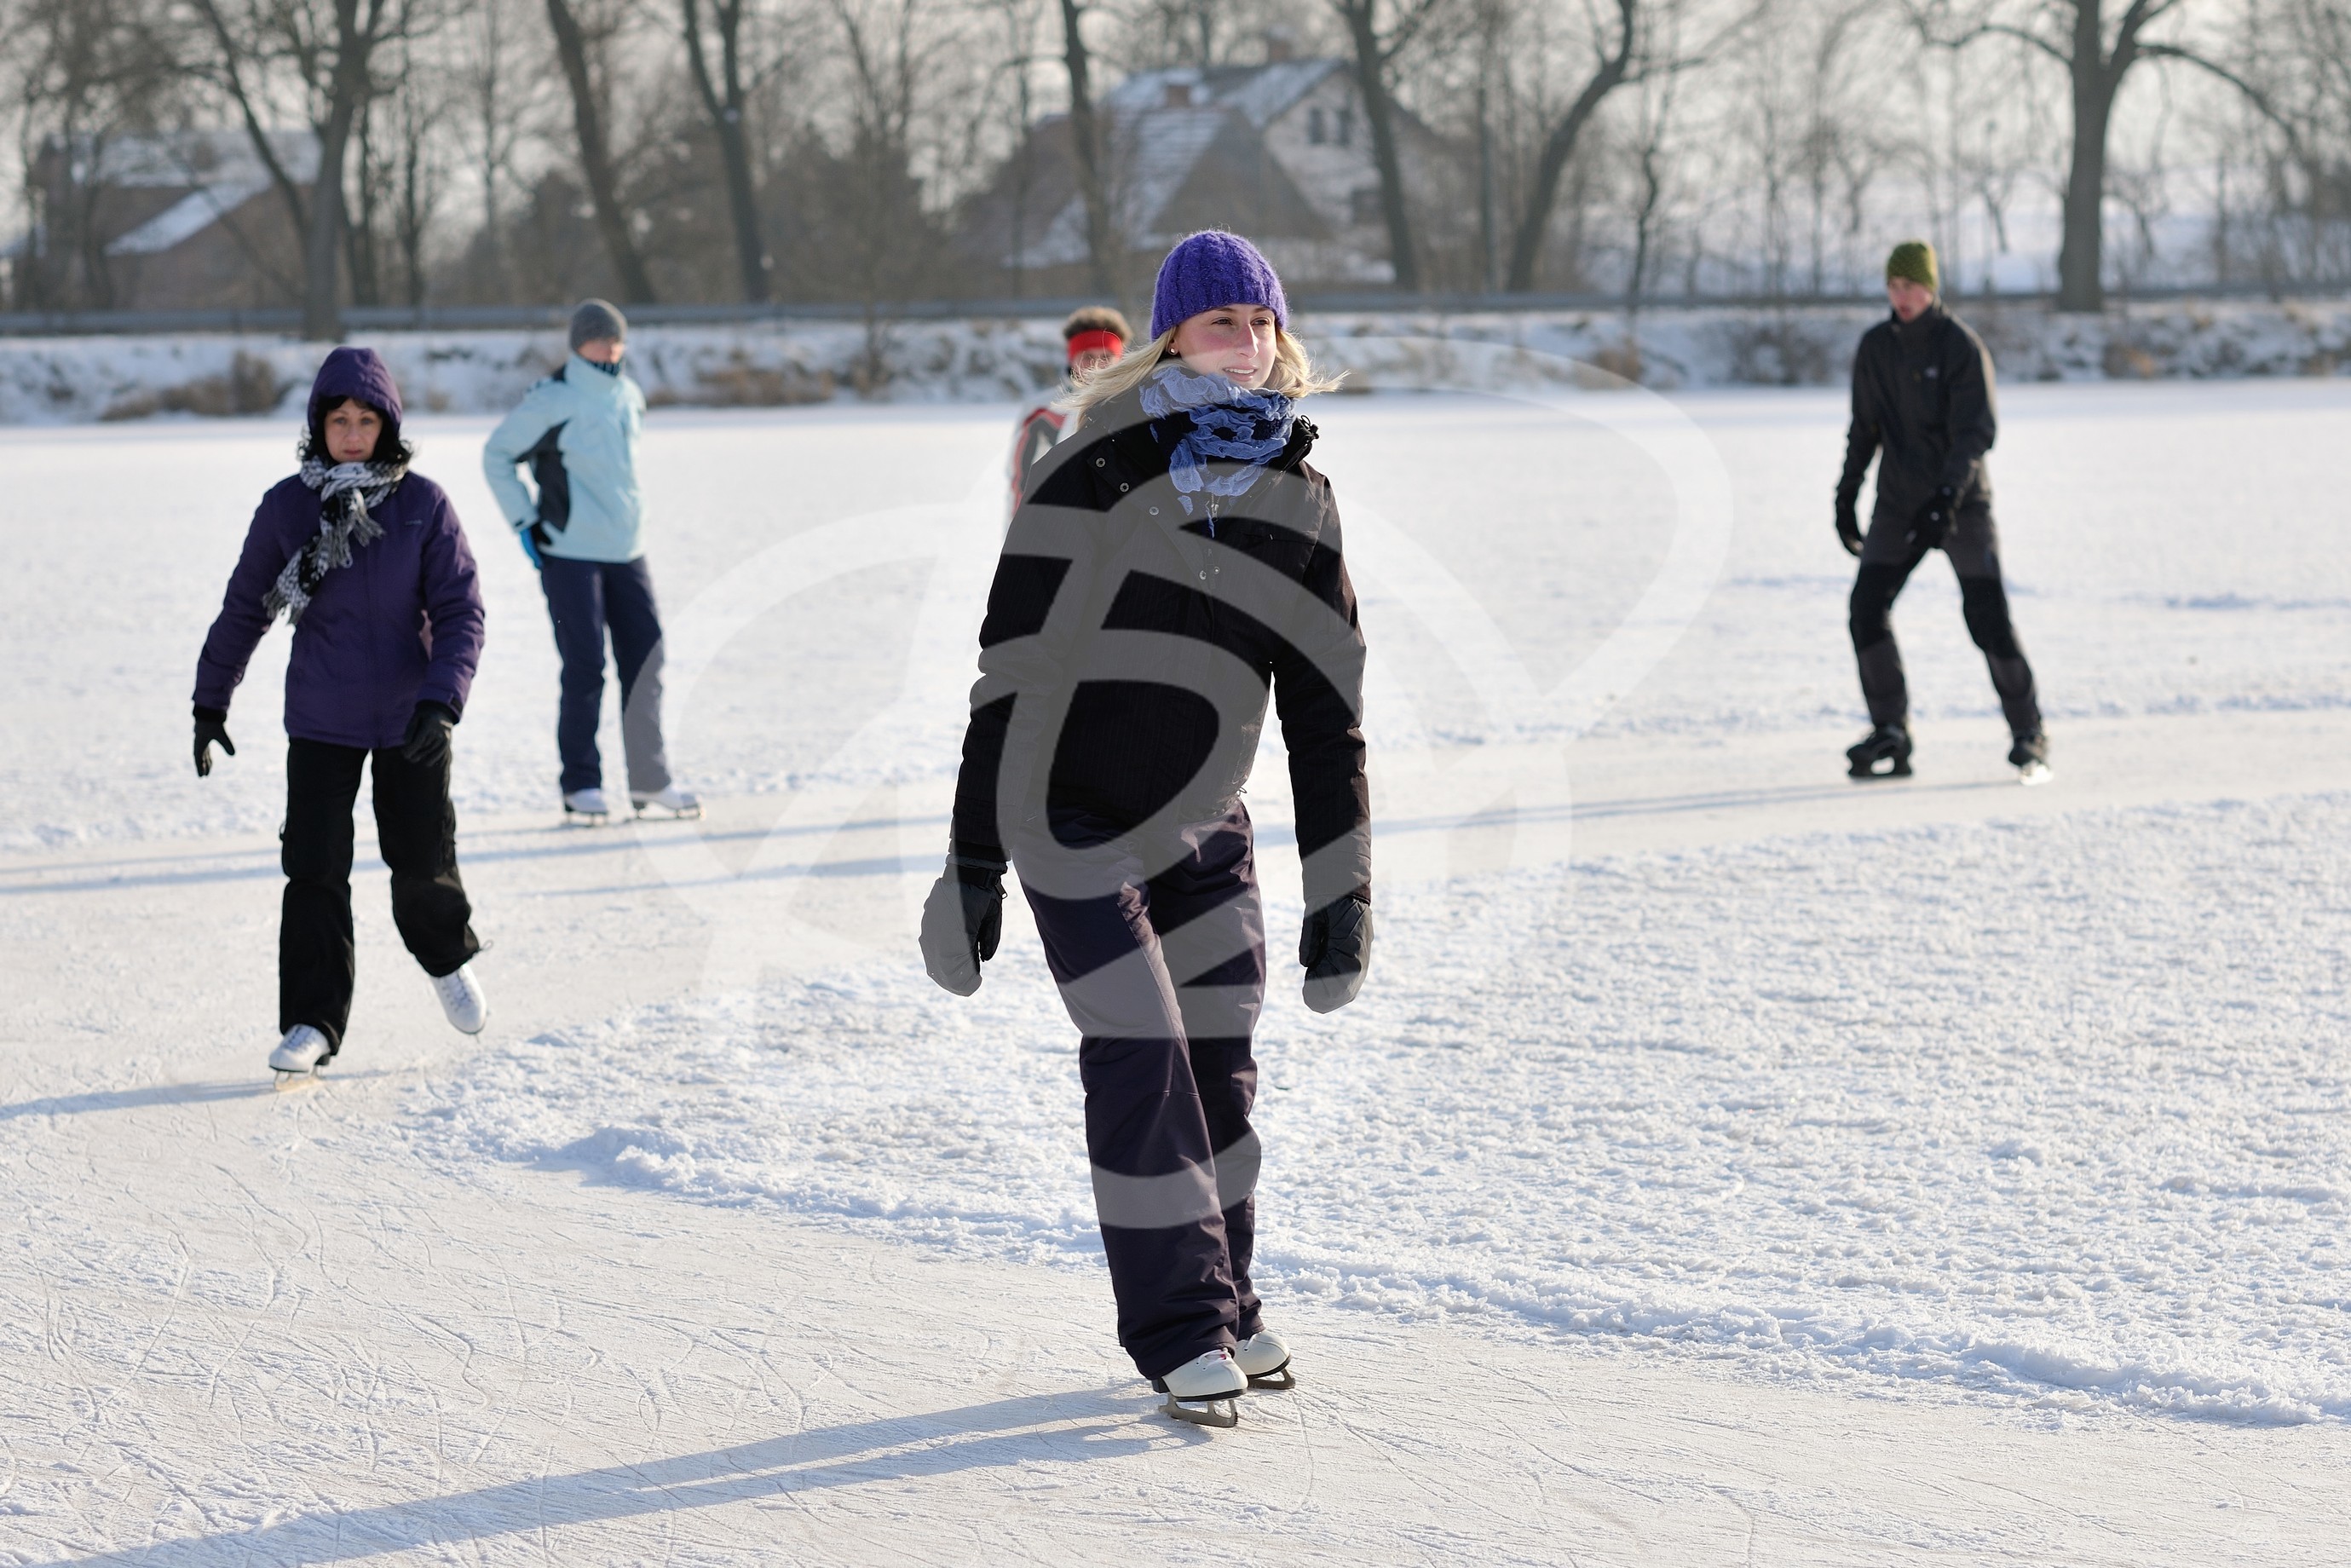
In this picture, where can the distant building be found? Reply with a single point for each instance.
(190, 220)
(1279, 152)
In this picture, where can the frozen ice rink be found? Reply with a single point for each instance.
(1725, 1163)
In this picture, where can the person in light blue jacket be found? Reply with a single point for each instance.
(584, 530)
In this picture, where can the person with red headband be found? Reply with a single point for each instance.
(1096, 336)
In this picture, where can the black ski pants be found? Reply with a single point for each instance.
(1160, 958)
(1886, 564)
(585, 598)
(417, 829)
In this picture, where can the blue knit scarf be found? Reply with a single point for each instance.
(1226, 422)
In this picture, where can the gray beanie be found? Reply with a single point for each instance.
(596, 318)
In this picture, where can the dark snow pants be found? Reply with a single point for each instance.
(585, 598)
(417, 829)
(1163, 971)
(1886, 564)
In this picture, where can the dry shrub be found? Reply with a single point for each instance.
(1618, 363)
(2127, 361)
(250, 385)
(739, 383)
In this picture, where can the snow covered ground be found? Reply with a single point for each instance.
(64, 379)
(1724, 1163)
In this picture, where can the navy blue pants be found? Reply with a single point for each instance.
(1159, 953)
(584, 599)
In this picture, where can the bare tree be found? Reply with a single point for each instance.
(329, 47)
(1377, 42)
(723, 97)
(2096, 60)
(1086, 152)
(1612, 67)
(499, 93)
(87, 72)
(573, 46)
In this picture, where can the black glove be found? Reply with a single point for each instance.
(428, 734)
(1848, 522)
(212, 724)
(963, 920)
(1336, 948)
(1932, 523)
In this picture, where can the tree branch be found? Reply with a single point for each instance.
(2253, 95)
(278, 177)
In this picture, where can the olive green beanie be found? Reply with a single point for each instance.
(1912, 259)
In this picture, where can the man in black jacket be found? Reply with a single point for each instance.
(1923, 398)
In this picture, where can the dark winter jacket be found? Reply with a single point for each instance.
(1922, 395)
(1147, 623)
(402, 625)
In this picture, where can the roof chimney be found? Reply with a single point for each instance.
(1280, 45)
(1179, 95)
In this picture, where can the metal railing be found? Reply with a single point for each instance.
(366, 319)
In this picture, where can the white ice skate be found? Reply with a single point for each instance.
(1264, 1360)
(2029, 757)
(1203, 1390)
(462, 999)
(586, 809)
(671, 801)
(302, 1051)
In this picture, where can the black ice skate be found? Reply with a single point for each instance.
(1888, 744)
(2029, 757)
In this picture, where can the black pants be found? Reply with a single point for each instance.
(417, 829)
(585, 598)
(1164, 973)
(1885, 566)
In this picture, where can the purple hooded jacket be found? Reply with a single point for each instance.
(402, 625)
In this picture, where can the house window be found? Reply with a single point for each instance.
(1317, 130)
(1363, 205)
(1346, 128)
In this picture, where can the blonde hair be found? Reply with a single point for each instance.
(1294, 373)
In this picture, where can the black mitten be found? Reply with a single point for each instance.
(1932, 523)
(1848, 523)
(963, 920)
(1335, 945)
(212, 727)
(428, 734)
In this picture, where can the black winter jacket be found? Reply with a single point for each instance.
(1922, 393)
(1138, 642)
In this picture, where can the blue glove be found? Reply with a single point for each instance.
(529, 534)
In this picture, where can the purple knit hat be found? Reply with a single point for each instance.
(1212, 268)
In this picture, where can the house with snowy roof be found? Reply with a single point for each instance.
(187, 220)
(1278, 151)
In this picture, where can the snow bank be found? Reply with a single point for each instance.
(2067, 1121)
(765, 364)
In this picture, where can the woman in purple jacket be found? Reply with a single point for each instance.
(368, 563)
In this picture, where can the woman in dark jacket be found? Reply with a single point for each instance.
(1175, 559)
(368, 565)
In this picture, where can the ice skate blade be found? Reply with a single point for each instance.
(1204, 1412)
(1277, 1381)
(585, 818)
(290, 1078)
(2033, 773)
(1870, 776)
(651, 813)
